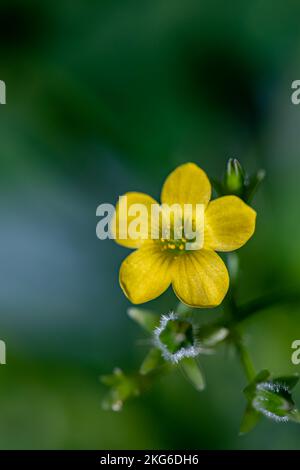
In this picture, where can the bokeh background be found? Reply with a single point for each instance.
(109, 96)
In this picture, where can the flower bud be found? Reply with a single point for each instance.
(234, 177)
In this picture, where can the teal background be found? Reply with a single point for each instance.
(109, 96)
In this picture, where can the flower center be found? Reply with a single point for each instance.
(174, 239)
(172, 245)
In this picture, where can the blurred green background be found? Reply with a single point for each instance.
(109, 96)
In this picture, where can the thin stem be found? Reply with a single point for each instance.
(233, 318)
(245, 360)
(254, 306)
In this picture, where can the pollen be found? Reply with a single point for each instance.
(173, 245)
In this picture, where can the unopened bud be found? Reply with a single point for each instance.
(234, 177)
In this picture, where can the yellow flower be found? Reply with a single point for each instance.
(199, 277)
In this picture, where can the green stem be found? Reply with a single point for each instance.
(245, 360)
(233, 315)
(232, 322)
(250, 308)
(254, 306)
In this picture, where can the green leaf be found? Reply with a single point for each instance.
(262, 376)
(294, 416)
(250, 420)
(192, 372)
(146, 319)
(153, 360)
(289, 381)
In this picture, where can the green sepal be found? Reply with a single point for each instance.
(208, 336)
(250, 419)
(152, 361)
(237, 182)
(147, 319)
(253, 184)
(289, 381)
(262, 376)
(218, 187)
(192, 372)
(294, 416)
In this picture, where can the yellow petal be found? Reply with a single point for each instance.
(200, 279)
(121, 217)
(146, 273)
(188, 184)
(229, 223)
